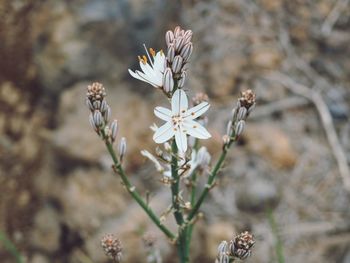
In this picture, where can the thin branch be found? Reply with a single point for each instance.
(326, 119)
(333, 17)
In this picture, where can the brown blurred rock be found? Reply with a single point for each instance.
(75, 137)
(46, 233)
(271, 143)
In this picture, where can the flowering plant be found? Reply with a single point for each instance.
(182, 159)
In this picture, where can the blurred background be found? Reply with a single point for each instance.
(285, 181)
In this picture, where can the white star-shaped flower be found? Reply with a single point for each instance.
(153, 71)
(180, 121)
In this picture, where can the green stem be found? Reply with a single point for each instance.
(278, 243)
(133, 192)
(10, 247)
(175, 185)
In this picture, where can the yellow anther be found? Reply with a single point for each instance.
(142, 59)
(152, 52)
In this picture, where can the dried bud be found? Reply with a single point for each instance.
(242, 113)
(186, 51)
(96, 91)
(97, 118)
(240, 246)
(171, 53)
(182, 79)
(169, 37)
(112, 247)
(247, 99)
(239, 127)
(168, 81)
(114, 130)
(122, 148)
(177, 64)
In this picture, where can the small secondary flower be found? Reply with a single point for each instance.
(151, 71)
(180, 121)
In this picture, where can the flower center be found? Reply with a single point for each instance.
(176, 120)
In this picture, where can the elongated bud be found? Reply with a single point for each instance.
(179, 43)
(177, 31)
(114, 130)
(188, 36)
(229, 128)
(104, 106)
(186, 51)
(92, 122)
(222, 248)
(168, 81)
(107, 114)
(169, 37)
(89, 105)
(182, 80)
(171, 53)
(242, 113)
(96, 104)
(122, 148)
(98, 119)
(239, 127)
(177, 64)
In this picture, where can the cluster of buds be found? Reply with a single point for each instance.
(179, 50)
(112, 247)
(100, 113)
(245, 105)
(240, 247)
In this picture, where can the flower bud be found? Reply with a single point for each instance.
(186, 51)
(107, 114)
(112, 247)
(89, 105)
(167, 147)
(171, 53)
(92, 122)
(122, 148)
(97, 117)
(229, 128)
(169, 37)
(242, 113)
(177, 64)
(240, 246)
(182, 80)
(96, 104)
(114, 130)
(179, 43)
(168, 81)
(188, 36)
(222, 248)
(239, 127)
(203, 157)
(103, 106)
(177, 31)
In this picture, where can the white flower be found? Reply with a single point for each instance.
(153, 71)
(180, 121)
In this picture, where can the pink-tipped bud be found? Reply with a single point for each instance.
(122, 148)
(169, 37)
(186, 51)
(168, 81)
(177, 64)
(114, 130)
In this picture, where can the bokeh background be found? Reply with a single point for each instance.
(58, 195)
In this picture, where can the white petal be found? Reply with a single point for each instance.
(164, 133)
(196, 130)
(179, 101)
(163, 113)
(181, 140)
(197, 111)
(159, 62)
(141, 76)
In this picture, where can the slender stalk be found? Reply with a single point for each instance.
(175, 184)
(10, 247)
(278, 242)
(133, 192)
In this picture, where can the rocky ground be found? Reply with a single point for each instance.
(58, 195)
